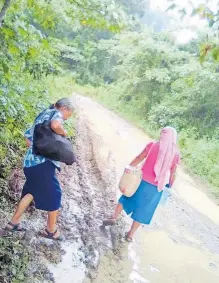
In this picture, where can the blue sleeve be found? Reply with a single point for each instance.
(57, 116)
(28, 135)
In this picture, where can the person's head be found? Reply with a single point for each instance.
(169, 134)
(65, 106)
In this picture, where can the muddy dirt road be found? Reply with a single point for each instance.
(182, 244)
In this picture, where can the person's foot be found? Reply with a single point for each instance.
(11, 227)
(128, 238)
(109, 222)
(54, 236)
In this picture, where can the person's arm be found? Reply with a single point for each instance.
(138, 159)
(173, 171)
(28, 142)
(172, 176)
(57, 127)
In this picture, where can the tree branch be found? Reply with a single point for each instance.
(4, 10)
(85, 8)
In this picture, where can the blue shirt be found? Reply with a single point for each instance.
(30, 158)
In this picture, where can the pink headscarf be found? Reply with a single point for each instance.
(167, 152)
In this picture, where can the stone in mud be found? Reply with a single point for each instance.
(29, 237)
(3, 233)
(50, 249)
(38, 273)
(13, 236)
(15, 184)
(213, 266)
(154, 268)
(48, 276)
(91, 275)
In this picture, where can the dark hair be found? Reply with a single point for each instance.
(51, 106)
(65, 102)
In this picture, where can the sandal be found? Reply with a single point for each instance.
(15, 228)
(49, 235)
(127, 238)
(109, 222)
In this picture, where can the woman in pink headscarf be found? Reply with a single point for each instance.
(161, 160)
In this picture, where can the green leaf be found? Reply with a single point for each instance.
(204, 49)
(5, 67)
(171, 7)
(8, 32)
(32, 52)
(13, 50)
(215, 53)
(211, 23)
(46, 44)
(21, 277)
(23, 32)
(30, 3)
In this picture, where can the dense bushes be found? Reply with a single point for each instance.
(14, 258)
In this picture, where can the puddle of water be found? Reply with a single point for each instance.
(177, 263)
(187, 189)
(135, 275)
(155, 258)
(71, 269)
(136, 278)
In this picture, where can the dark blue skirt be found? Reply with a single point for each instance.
(42, 184)
(143, 203)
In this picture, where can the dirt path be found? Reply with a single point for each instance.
(182, 244)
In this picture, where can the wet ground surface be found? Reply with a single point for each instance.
(181, 245)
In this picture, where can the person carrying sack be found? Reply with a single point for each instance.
(161, 160)
(42, 185)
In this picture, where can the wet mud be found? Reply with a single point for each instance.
(181, 245)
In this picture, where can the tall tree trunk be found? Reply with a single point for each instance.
(4, 10)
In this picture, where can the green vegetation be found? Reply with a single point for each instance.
(155, 83)
(208, 12)
(14, 258)
(35, 40)
(104, 48)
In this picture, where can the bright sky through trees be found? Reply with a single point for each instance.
(187, 28)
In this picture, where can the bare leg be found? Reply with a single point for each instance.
(51, 222)
(133, 229)
(118, 210)
(22, 206)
